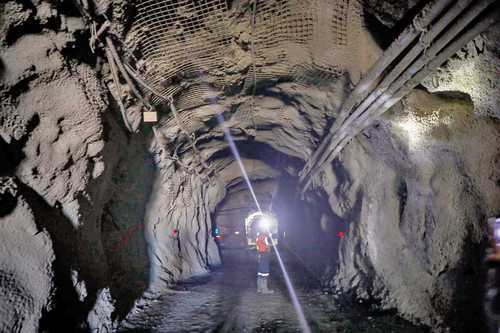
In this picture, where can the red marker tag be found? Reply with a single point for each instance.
(341, 234)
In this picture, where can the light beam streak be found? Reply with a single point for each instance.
(291, 290)
(236, 154)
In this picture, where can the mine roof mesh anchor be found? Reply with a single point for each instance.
(187, 48)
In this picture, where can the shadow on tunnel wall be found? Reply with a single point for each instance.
(119, 231)
(309, 228)
(12, 154)
(122, 226)
(67, 311)
(467, 311)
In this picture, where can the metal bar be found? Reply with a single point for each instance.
(392, 97)
(123, 71)
(366, 85)
(436, 62)
(144, 84)
(422, 61)
(413, 54)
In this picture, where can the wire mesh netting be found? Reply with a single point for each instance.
(193, 50)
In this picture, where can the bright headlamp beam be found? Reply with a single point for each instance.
(265, 223)
(237, 156)
(291, 290)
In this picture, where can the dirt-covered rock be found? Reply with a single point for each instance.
(417, 223)
(26, 264)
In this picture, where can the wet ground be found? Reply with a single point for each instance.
(227, 301)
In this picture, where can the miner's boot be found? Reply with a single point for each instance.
(265, 289)
(260, 284)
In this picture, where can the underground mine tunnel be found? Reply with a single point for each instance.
(249, 166)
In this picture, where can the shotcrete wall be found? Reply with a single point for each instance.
(92, 216)
(416, 201)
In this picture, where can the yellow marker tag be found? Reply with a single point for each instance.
(150, 116)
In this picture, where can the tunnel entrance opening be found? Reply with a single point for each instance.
(258, 222)
(231, 214)
(308, 231)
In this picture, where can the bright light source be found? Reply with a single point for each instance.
(413, 130)
(260, 222)
(236, 232)
(411, 126)
(265, 223)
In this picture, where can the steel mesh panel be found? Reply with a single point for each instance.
(180, 41)
(183, 45)
(339, 22)
(280, 34)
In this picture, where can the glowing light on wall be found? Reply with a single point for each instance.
(414, 131)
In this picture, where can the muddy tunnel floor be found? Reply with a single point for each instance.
(226, 301)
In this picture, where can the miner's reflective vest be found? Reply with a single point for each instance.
(262, 243)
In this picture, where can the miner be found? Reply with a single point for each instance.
(263, 244)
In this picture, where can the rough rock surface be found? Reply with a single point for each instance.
(52, 135)
(26, 264)
(100, 216)
(418, 218)
(475, 70)
(389, 12)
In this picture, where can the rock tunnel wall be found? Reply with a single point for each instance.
(186, 195)
(60, 146)
(417, 210)
(179, 226)
(93, 209)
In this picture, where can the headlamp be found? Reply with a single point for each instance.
(265, 223)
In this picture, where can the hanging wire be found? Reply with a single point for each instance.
(116, 82)
(191, 136)
(254, 66)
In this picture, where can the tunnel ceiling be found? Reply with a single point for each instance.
(195, 51)
(196, 60)
(202, 59)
